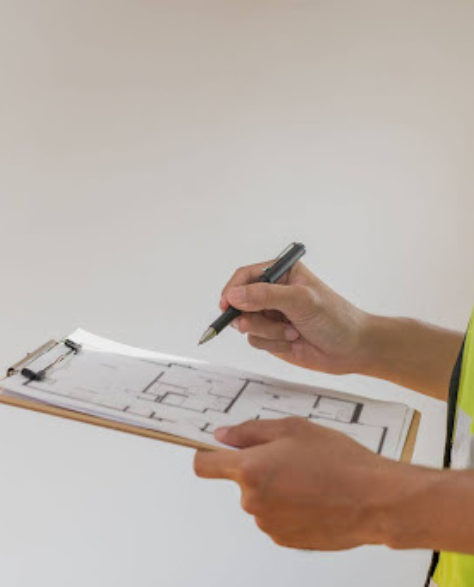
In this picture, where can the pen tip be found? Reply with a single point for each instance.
(207, 336)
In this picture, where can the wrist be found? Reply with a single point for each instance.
(382, 345)
(406, 501)
(370, 337)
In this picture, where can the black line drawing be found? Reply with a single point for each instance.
(192, 400)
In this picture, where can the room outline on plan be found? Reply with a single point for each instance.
(173, 394)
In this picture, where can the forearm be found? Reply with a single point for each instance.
(424, 508)
(411, 353)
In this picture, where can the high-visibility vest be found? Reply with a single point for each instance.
(452, 569)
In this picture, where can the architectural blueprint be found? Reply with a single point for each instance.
(191, 399)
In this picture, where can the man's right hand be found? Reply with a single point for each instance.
(300, 319)
(303, 321)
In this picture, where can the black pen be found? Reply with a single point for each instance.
(271, 274)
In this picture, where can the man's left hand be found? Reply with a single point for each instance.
(308, 487)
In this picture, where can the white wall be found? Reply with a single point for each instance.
(149, 148)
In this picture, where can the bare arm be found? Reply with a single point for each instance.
(411, 353)
(433, 510)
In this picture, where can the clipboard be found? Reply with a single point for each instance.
(44, 408)
(59, 412)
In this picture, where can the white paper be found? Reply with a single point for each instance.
(190, 399)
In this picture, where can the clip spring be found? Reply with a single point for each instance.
(31, 375)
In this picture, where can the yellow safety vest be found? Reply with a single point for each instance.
(457, 570)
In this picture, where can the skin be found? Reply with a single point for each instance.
(310, 487)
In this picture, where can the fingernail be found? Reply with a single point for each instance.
(238, 295)
(291, 334)
(221, 433)
(236, 324)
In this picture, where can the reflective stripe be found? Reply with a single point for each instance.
(462, 455)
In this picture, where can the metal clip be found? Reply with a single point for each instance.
(31, 357)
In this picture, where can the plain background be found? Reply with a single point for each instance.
(147, 149)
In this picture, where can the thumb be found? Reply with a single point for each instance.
(251, 433)
(291, 300)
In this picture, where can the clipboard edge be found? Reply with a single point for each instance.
(71, 415)
(406, 457)
(410, 442)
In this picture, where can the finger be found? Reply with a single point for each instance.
(251, 433)
(299, 274)
(274, 315)
(258, 325)
(242, 276)
(293, 301)
(217, 464)
(276, 347)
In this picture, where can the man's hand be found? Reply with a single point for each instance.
(307, 486)
(300, 320)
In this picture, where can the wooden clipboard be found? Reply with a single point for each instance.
(42, 408)
(409, 448)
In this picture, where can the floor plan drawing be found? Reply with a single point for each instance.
(192, 399)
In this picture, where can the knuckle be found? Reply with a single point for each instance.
(236, 435)
(264, 524)
(255, 341)
(303, 293)
(246, 505)
(293, 424)
(250, 473)
(240, 275)
(237, 273)
(265, 293)
(251, 503)
(237, 278)
(279, 540)
(257, 296)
